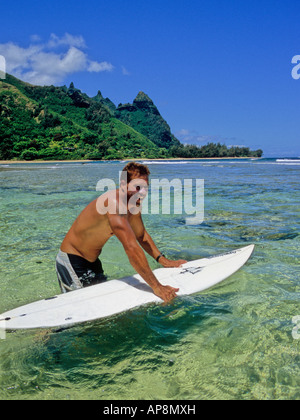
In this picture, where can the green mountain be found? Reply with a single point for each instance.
(63, 123)
(144, 117)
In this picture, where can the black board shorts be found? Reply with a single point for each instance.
(74, 272)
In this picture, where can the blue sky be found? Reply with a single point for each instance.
(217, 70)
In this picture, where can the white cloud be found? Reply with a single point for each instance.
(42, 64)
(183, 132)
(93, 66)
(35, 38)
(193, 137)
(125, 71)
(67, 39)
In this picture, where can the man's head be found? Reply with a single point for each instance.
(134, 170)
(134, 182)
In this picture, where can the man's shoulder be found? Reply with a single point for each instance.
(108, 203)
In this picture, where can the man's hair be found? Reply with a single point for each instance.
(133, 169)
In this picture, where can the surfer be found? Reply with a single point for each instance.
(116, 212)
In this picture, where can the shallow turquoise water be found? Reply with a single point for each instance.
(231, 342)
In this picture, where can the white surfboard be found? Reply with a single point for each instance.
(116, 296)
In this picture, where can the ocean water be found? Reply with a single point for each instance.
(235, 341)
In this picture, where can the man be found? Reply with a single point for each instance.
(118, 213)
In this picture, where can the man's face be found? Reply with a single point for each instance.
(137, 189)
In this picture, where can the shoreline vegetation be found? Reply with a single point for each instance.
(50, 123)
(9, 162)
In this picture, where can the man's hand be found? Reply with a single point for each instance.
(166, 293)
(169, 263)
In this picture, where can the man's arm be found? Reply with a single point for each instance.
(123, 231)
(148, 244)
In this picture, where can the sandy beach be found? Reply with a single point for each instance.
(9, 162)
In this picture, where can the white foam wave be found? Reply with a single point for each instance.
(164, 163)
(288, 160)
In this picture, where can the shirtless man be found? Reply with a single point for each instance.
(118, 213)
